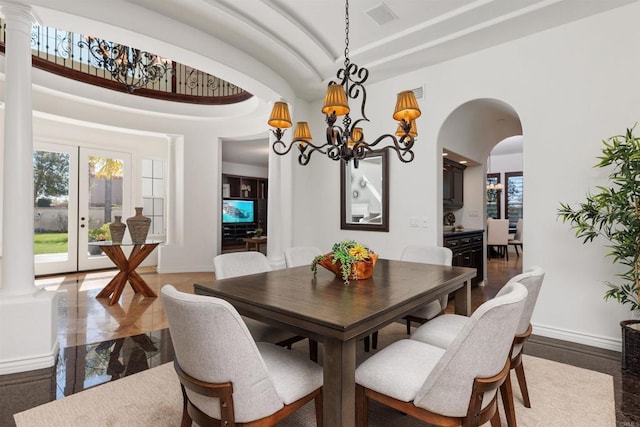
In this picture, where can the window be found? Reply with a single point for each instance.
(153, 194)
(493, 196)
(514, 197)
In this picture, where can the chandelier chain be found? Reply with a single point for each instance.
(346, 35)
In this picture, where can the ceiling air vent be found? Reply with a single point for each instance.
(418, 92)
(381, 14)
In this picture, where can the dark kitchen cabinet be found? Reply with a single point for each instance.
(468, 251)
(452, 184)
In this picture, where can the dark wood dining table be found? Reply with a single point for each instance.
(324, 309)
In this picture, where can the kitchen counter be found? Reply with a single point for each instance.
(462, 232)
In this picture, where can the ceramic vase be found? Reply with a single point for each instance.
(117, 229)
(138, 227)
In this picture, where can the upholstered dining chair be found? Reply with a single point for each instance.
(226, 377)
(517, 238)
(498, 235)
(446, 387)
(427, 255)
(236, 264)
(442, 331)
(300, 255)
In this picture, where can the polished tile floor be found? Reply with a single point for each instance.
(101, 343)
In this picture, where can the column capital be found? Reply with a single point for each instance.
(18, 15)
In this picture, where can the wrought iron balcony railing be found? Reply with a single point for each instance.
(67, 54)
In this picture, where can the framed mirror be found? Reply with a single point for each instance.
(364, 194)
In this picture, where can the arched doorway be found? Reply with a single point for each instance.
(471, 131)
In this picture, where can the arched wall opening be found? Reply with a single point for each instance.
(468, 135)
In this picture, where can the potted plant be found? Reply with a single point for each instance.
(99, 234)
(258, 232)
(613, 213)
(349, 260)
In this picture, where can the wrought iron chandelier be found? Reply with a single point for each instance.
(131, 67)
(347, 142)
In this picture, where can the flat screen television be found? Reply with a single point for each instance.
(238, 211)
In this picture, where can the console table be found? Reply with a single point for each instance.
(127, 267)
(255, 241)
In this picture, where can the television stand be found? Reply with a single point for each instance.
(233, 234)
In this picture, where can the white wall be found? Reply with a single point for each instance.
(230, 168)
(569, 96)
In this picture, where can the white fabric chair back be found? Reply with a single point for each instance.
(532, 280)
(518, 235)
(497, 232)
(213, 344)
(240, 264)
(427, 254)
(480, 350)
(300, 255)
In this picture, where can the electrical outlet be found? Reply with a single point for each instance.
(425, 222)
(414, 221)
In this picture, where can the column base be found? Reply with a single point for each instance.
(28, 332)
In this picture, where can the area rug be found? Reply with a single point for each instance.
(561, 395)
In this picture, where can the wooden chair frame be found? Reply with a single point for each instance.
(224, 392)
(506, 391)
(475, 415)
(421, 320)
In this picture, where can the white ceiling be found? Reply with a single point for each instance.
(302, 41)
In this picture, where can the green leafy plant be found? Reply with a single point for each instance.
(613, 213)
(347, 253)
(100, 234)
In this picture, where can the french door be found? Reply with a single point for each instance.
(77, 192)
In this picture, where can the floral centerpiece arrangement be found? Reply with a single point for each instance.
(348, 259)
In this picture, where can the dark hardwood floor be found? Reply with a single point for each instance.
(101, 343)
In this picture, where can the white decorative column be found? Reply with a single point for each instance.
(28, 327)
(279, 206)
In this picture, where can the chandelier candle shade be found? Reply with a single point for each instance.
(348, 142)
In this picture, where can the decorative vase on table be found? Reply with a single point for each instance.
(117, 229)
(138, 227)
(360, 270)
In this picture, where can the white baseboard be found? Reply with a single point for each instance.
(579, 338)
(29, 364)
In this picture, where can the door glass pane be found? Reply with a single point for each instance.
(105, 197)
(515, 197)
(493, 195)
(51, 206)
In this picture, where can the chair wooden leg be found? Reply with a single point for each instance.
(408, 327)
(374, 340)
(367, 343)
(522, 382)
(186, 419)
(318, 405)
(313, 350)
(506, 391)
(362, 408)
(495, 420)
(516, 248)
